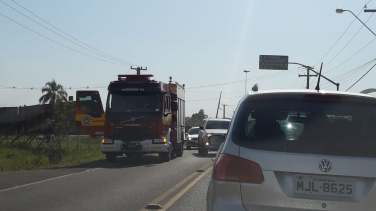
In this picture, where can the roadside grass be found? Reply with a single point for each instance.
(19, 157)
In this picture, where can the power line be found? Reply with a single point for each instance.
(250, 79)
(348, 41)
(100, 52)
(314, 79)
(105, 86)
(60, 43)
(352, 55)
(340, 36)
(347, 76)
(361, 77)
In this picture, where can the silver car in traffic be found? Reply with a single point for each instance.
(192, 137)
(298, 150)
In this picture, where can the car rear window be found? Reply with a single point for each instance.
(313, 126)
(217, 125)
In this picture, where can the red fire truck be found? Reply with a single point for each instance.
(142, 116)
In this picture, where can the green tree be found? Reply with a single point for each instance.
(200, 116)
(64, 113)
(52, 93)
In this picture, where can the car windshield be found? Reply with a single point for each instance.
(217, 125)
(193, 131)
(330, 127)
(134, 102)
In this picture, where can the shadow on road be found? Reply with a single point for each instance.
(121, 162)
(210, 155)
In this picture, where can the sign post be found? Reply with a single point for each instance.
(273, 62)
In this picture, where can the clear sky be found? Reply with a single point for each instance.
(198, 43)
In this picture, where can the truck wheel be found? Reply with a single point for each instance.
(199, 151)
(204, 151)
(179, 150)
(111, 157)
(166, 156)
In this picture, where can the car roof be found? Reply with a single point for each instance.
(278, 92)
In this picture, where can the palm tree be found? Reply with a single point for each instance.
(53, 93)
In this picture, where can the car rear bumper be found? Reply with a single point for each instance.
(270, 196)
(224, 196)
(147, 146)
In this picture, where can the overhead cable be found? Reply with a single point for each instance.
(94, 50)
(361, 77)
(348, 41)
(60, 43)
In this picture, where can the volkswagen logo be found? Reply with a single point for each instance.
(325, 165)
(133, 119)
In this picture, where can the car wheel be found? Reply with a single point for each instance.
(111, 157)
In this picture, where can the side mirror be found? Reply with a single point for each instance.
(174, 106)
(201, 127)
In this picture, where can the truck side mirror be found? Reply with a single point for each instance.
(174, 106)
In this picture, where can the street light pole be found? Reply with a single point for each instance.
(246, 71)
(339, 11)
(369, 10)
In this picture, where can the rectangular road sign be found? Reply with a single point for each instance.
(273, 62)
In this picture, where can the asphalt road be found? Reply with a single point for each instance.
(180, 184)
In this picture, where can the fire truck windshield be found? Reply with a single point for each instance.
(132, 102)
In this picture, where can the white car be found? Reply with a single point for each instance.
(298, 150)
(191, 137)
(212, 134)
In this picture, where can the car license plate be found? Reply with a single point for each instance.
(108, 148)
(157, 148)
(323, 185)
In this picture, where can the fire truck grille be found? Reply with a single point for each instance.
(132, 133)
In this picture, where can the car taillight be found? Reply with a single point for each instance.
(236, 169)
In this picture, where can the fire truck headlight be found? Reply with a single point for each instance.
(107, 141)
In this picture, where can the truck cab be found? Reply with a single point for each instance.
(142, 116)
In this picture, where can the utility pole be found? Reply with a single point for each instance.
(219, 101)
(310, 68)
(246, 71)
(308, 75)
(224, 111)
(138, 69)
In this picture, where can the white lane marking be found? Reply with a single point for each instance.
(185, 189)
(46, 180)
(168, 192)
